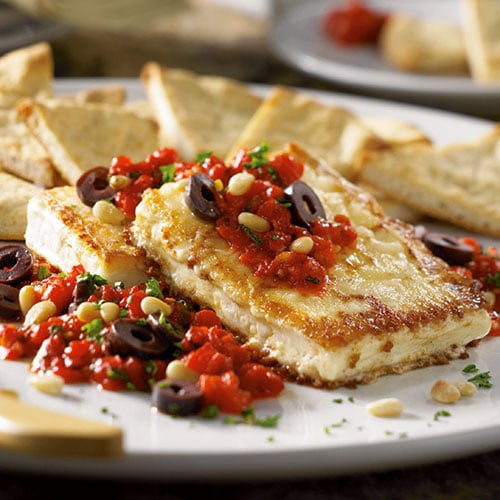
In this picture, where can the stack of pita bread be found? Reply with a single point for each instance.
(50, 140)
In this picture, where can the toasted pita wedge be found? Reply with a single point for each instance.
(457, 183)
(21, 154)
(197, 113)
(25, 72)
(481, 27)
(80, 136)
(422, 45)
(14, 197)
(332, 133)
(395, 132)
(112, 94)
(389, 305)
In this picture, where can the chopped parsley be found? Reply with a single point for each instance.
(441, 413)
(93, 281)
(93, 330)
(251, 234)
(43, 272)
(201, 157)
(248, 417)
(493, 279)
(258, 156)
(481, 380)
(153, 288)
(167, 173)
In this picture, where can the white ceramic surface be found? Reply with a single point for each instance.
(316, 435)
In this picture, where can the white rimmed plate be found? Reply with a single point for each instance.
(319, 432)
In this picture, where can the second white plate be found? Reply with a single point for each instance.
(297, 38)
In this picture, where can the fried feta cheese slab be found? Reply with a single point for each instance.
(389, 306)
(65, 232)
(82, 135)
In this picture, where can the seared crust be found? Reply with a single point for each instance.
(64, 231)
(390, 305)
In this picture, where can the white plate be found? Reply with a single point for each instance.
(297, 38)
(315, 436)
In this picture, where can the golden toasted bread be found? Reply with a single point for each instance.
(457, 183)
(80, 136)
(389, 304)
(197, 113)
(14, 197)
(22, 154)
(64, 231)
(423, 45)
(110, 94)
(26, 72)
(331, 132)
(481, 27)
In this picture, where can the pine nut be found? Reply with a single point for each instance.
(385, 408)
(88, 311)
(254, 222)
(27, 298)
(119, 181)
(153, 305)
(177, 370)
(444, 392)
(304, 244)
(49, 383)
(240, 183)
(109, 311)
(219, 185)
(466, 388)
(40, 312)
(108, 213)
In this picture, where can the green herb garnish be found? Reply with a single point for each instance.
(43, 273)
(167, 173)
(482, 380)
(441, 413)
(153, 288)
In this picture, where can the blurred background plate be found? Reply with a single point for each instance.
(296, 38)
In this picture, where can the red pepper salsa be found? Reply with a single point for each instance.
(230, 374)
(353, 23)
(485, 268)
(269, 254)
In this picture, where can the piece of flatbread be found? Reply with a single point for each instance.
(394, 131)
(80, 136)
(14, 197)
(111, 94)
(28, 71)
(423, 45)
(457, 183)
(197, 113)
(481, 27)
(330, 132)
(21, 153)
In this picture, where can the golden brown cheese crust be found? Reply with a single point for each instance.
(390, 305)
(65, 232)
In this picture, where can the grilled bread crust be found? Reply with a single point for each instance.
(63, 230)
(390, 305)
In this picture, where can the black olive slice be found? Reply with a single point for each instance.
(200, 197)
(177, 397)
(126, 337)
(93, 186)
(16, 262)
(9, 301)
(306, 206)
(449, 248)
